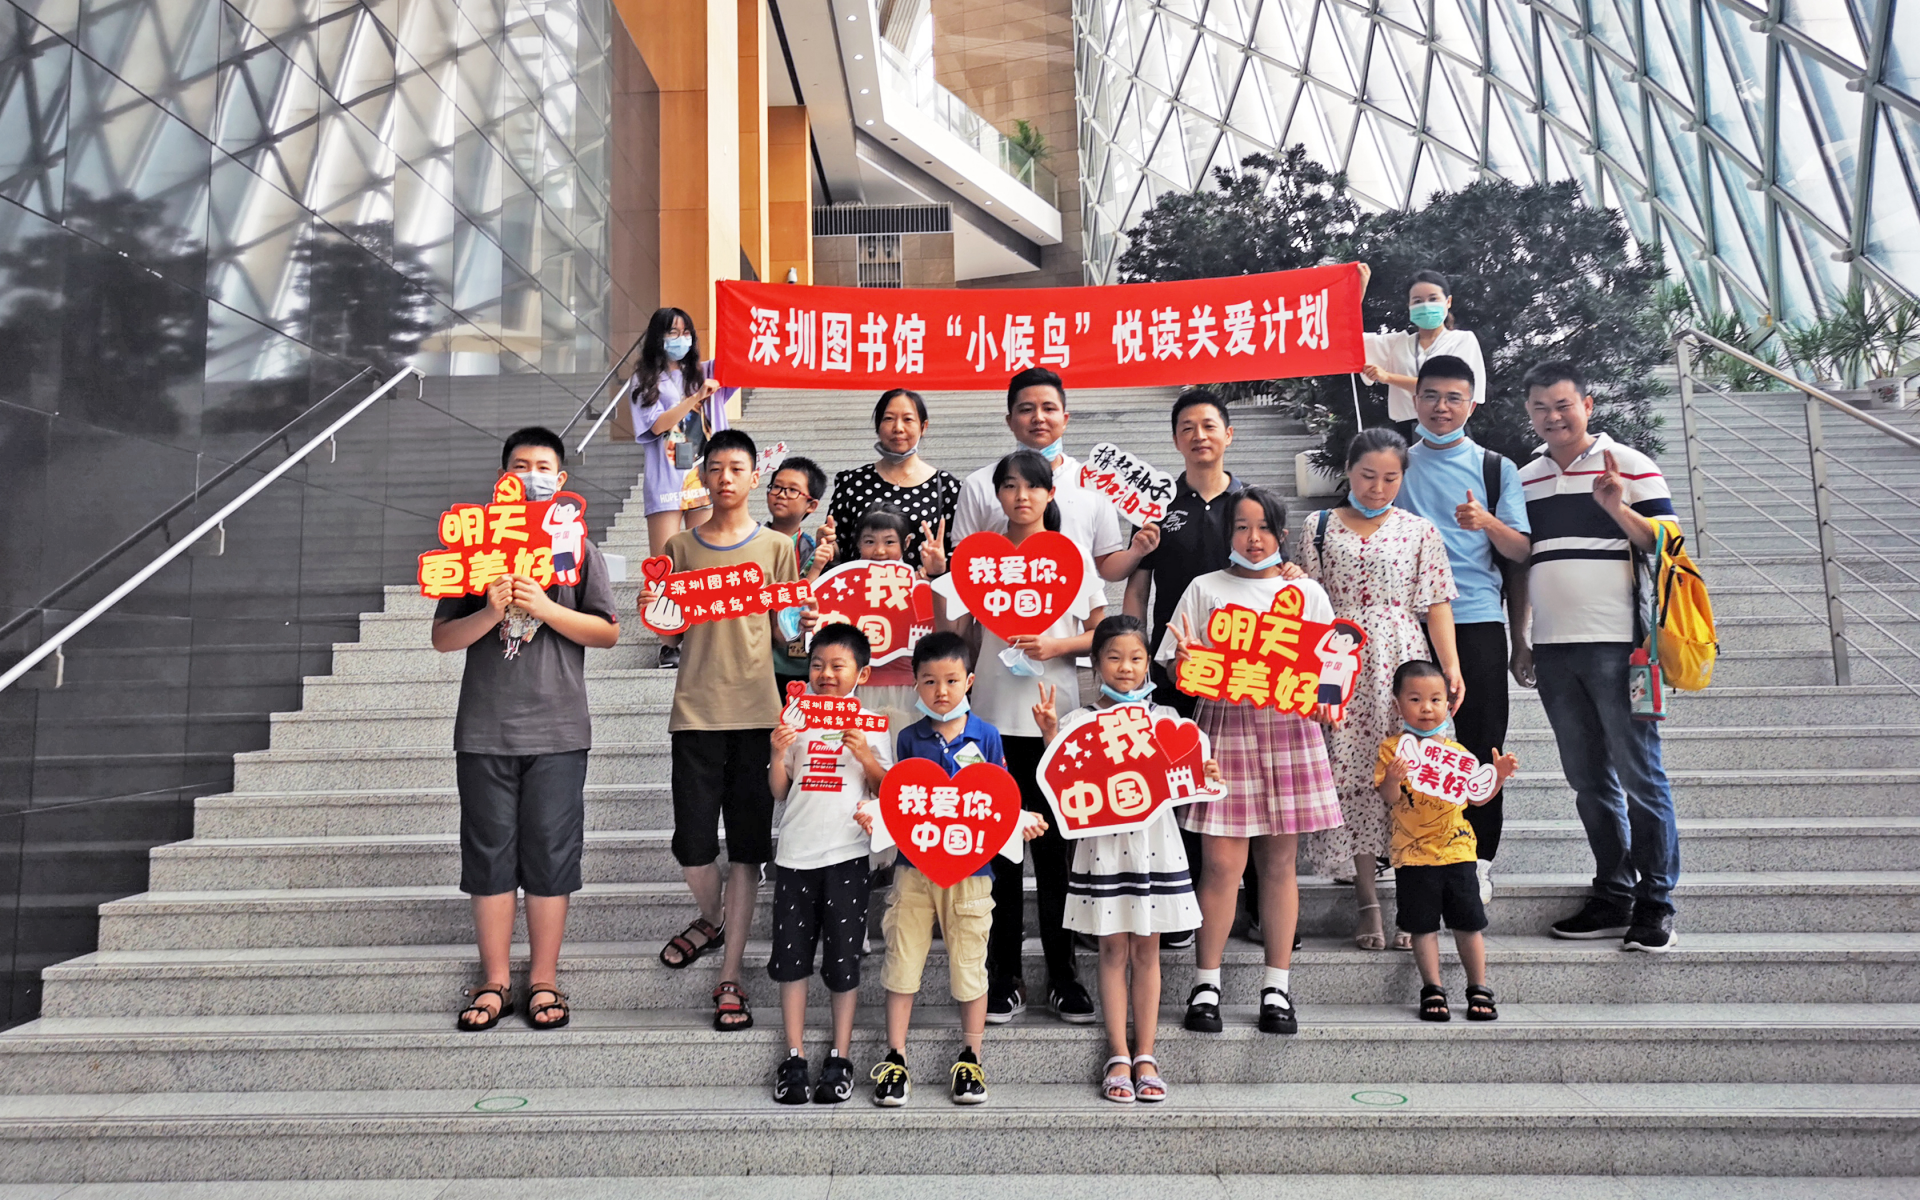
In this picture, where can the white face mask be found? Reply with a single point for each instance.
(1240, 560)
(540, 485)
(677, 347)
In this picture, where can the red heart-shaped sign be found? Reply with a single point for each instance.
(657, 568)
(1016, 591)
(1179, 741)
(948, 827)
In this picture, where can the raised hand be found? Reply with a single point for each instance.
(1291, 570)
(1473, 515)
(1044, 713)
(826, 545)
(528, 595)
(1395, 774)
(1037, 647)
(1183, 642)
(1504, 765)
(1610, 490)
(810, 616)
(783, 737)
(933, 549)
(1146, 539)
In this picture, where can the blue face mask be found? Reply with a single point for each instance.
(1272, 560)
(1428, 314)
(677, 348)
(1053, 452)
(1133, 697)
(1363, 510)
(1443, 439)
(1017, 663)
(959, 710)
(1437, 731)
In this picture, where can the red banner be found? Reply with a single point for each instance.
(1274, 659)
(538, 539)
(1281, 325)
(1114, 771)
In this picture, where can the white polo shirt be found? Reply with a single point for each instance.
(1580, 578)
(1401, 354)
(1088, 518)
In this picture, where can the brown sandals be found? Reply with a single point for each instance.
(488, 1017)
(689, 951)
(536, 1009)
(730, 1011)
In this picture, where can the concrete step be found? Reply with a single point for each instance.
(1710, 902)
(1707, 968)
(398, 728)
(1766, 707)
(520, 1131)
(1537, 847)
(351, 660)
(1757, 750)
(1809, 1044)
(1744, 795)
(419, 766)
(421, 685)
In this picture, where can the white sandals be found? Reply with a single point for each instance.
(1149, 1088)
(1118, 1088)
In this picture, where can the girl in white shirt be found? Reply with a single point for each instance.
(1395, 359)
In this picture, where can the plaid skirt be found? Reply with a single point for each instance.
(1276, 771)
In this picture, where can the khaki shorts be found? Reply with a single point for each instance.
(965, 912)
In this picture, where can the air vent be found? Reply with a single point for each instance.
(850, 220)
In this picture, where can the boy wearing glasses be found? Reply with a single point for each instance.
(1473, 496)
(793, 494)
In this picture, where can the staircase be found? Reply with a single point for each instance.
(279, 1005)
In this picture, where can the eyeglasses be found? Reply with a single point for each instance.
(1445, 400)
(787, 493)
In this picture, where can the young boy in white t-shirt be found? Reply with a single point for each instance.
(821, 884)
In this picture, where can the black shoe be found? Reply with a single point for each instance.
(836, 1080)
(670, 657)
(969, 1081)
(1276, 1012)
(1070, 1002)
(1203, 1017)
(1597, 920)
(891, 1083)
(790, 1081)
(1006, 1002)
(1182, 940)
(1653, 935)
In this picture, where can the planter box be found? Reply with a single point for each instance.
(1309, 480)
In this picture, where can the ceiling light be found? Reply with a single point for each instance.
(858, 57)
(869, 122)
(864, 91)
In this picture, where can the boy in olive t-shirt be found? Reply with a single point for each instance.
(724, 709)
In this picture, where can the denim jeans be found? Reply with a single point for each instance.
(1612, 762)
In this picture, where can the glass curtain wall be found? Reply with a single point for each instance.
(212, 215)
(1774, 148)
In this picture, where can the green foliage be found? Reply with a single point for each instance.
(1865, 335)
(1273, 215)
(1028, 137)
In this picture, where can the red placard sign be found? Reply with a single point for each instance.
(1019, 590)
(1437, 769)
(1115, 770)
(887, 601)
(804, 711)
(1136, 489)
(1280, 325)
(539, 539)
(688, 598)
(1274, 659)
(949, 826)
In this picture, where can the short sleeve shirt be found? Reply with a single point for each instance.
(978, 742)
(1428, 830)
(1580, 579)
(725, 679)
(536, 701)
(1437, 483)
(857, 492)
(828, 784)
(1088, 518)
(1400, 352)
(663, 481)
(1196, 537)
(1221, 588)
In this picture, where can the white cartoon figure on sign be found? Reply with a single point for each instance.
(567, 533)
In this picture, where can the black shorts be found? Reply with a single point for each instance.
(1427, 894)
(522, 822)
(722, 774)
(826, 906)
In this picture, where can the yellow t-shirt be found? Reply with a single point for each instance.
(726, 667)
(1428, 831)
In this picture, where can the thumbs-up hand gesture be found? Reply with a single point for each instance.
(1610, 490)
(826, 543)
(1473, 515)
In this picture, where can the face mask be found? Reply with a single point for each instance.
(1418, 732)
(677, 348)
(1443, 439)
(1017, 662)
(540, 485)
(1133, 697)
(959, 710)
(1053, 452)
(788, 619)
(1240, 560)
(1429, 314)
(1363, 510)
(887, 455)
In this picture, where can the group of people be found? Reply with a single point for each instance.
(1459, 567)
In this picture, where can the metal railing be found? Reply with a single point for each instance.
(587, 404)
(324, 437)
(952, 113)
(1862, 565)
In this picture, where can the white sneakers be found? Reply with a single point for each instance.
(1485, 870)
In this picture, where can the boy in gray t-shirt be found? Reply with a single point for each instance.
(520, 741)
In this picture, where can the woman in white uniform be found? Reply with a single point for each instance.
(1395, 358)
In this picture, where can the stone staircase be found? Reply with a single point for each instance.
(278, 1005)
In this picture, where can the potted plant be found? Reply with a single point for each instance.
(1862, 351)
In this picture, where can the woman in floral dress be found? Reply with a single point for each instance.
(1385, 570)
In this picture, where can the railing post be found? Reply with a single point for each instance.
(1696, 478)
(1829, 564)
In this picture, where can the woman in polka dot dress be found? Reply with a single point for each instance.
(901, 480)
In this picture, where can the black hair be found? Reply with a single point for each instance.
(1193, 398)
(1118, 626)
(732, 439)
(941, 646)
(572, 499)
(1438, 280)
(1416, 668)
(842, 634)
(816, 478)
(654, 362)
(1370, 441)
(886, 398)
(1554, 370)
(1034, 377)
(1033, 468)
(532, 435)
(1358, 634)
(883, 516)
(1445, 366)
(1272, 506)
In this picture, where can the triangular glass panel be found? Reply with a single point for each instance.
(1903, 49)
(1827, 23)
(1893, 215)
(1664, 54)
(1800, 166)
(1835, 115)
(1735, 85)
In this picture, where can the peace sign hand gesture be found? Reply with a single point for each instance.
(1610, 490)
(933, 549)
(1044, 713)
(1183, 642)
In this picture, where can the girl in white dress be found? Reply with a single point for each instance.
(1127, 888)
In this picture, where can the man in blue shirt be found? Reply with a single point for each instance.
(1451, 482)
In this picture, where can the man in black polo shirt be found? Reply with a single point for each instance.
(1195, 538)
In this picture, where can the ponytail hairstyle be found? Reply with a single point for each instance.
(1439, 281)
(882, 516)
(1113, 627)
(654, 362)
(1032, 468)
(1369, 441)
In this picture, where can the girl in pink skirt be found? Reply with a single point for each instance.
(1279, 784)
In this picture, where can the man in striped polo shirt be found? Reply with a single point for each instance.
(1592, 503)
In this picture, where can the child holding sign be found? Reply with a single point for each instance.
(1279, 784)
(1433, 851)
(1127, 888)
(821, 883)
(882, 536)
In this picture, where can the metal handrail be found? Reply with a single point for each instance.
(175, 509)
(207, 526)
(588, 403)
(1894, 432)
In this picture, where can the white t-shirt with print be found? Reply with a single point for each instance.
(828, 784)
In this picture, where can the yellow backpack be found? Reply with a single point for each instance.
(1683, 641)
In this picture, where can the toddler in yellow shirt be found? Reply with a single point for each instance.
(1433, 849)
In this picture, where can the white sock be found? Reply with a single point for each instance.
(1202, 977)
(794, 1052)
(1276, 978)
(839, 1052)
